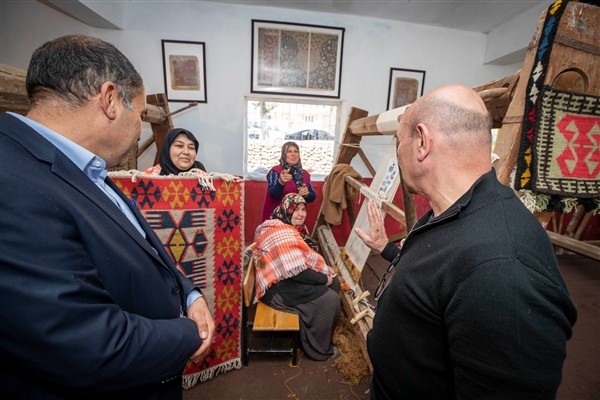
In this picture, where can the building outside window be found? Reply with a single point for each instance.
(270, 122)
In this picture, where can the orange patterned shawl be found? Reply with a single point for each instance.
(280, 253)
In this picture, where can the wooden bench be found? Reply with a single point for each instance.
(267, 319)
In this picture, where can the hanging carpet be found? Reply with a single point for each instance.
(558, 162)
(566, 145)
(200, 222)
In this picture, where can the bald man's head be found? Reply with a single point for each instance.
(455, 110)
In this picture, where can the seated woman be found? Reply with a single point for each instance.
(178, 154)
(291, 276)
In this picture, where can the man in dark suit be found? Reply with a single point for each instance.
(91, 304)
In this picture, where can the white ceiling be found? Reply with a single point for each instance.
(469, 15)
(508, 24)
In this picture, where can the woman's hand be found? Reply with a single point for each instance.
(285, 176)
(303, 191)
(330, 275)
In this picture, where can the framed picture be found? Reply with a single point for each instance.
(184, 66)
(295, 59)
(406, 85)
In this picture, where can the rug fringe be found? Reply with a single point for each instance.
(542, 202)
(205, 179)
(191, 380)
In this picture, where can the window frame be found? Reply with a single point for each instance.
(338, 103)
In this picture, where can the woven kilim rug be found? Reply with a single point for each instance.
(201, 225)
(566, 145)
(559, 157)
(534, 86)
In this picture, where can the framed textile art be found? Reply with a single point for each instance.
(184, 67)
(406, 85)
(296, 59)
(201, 225)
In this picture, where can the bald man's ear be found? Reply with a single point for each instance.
(423, 141)
(109, 96)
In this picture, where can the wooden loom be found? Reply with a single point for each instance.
(572, 67)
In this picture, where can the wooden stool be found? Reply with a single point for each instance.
(267, 319)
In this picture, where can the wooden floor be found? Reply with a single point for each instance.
(271, 377)
(581, 372)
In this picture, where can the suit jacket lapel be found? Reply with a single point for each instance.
(64, 168)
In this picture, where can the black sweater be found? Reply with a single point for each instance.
(476, 308)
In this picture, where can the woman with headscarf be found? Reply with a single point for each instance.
(178, 154)
(291, 276)
(287, 177)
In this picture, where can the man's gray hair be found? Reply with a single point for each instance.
(74, 67)
(450, 117)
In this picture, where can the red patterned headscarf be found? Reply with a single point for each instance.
(284, 212)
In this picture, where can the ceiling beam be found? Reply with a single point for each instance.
(507, 43)
(106, 15)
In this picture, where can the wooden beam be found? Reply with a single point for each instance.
(385, 123)
(387, 206)
(13, 96)
(161, 128)
(350, 142)
(366, 161)
(574, 245)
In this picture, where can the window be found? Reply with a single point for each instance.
(270, 122)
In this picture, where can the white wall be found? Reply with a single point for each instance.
(371, 47)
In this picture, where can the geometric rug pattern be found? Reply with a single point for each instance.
(202, 229)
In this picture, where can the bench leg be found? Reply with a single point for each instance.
(246, 346)
(295, 348)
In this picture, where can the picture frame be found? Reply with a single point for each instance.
(184, 67)
(296, 59)
(406, 85)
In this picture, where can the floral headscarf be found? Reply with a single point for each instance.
(295, 169)
(285, 210)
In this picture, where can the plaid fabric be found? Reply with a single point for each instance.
(281, 253)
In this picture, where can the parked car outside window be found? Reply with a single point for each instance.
(309, 134)
(253, 131)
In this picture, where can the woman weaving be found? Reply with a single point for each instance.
(291, 276)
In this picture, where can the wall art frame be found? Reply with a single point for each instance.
(296, 59)
(184, 67)
(406, 85)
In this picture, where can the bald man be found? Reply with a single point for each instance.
(475, 307)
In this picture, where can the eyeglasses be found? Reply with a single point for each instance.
(385, 279)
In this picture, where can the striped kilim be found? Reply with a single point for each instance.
(534, 87)
(202, 229)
